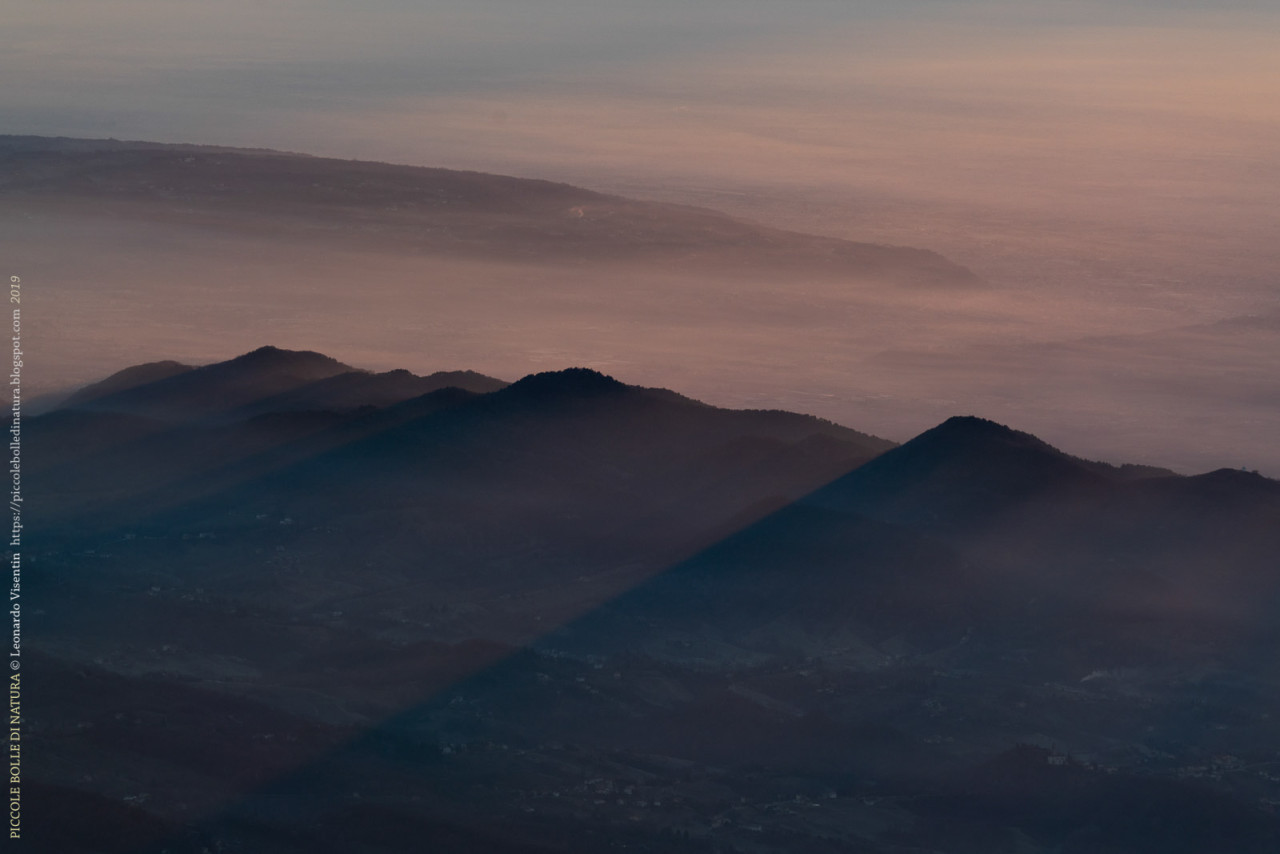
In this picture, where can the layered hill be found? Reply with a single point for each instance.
(299, 416)
(565, 612)
(976, 532)
(266, 380)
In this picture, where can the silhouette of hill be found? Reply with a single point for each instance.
(962, 470)
(265, 411)
(437, 211)
(571, 382)
(126, 379)
(217, 388)
(1085, 531)
(973, 531)
(569, 613)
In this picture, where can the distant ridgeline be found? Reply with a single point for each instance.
(433, 211)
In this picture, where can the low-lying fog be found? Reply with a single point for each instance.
(1123, 380)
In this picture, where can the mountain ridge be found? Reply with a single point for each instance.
(263, 411)
(428, 209)
(573, 607)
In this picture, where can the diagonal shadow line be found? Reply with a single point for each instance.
(385, 731)
(741, 521)
(390, 734)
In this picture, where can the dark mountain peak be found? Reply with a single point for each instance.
(472, 381)
(992, 441)
(977, 448)
(959, 471)
(264, 352)
(276, 358)
(1242, 484)
(972, 431)
(1240, 476)
(570, 382)
(222, 387)
(274, 364)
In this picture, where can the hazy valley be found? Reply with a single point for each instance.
(288, 605)
(150, 252)
(689, 428)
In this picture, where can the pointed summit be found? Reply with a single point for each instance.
(957, 472)
(974, 427)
